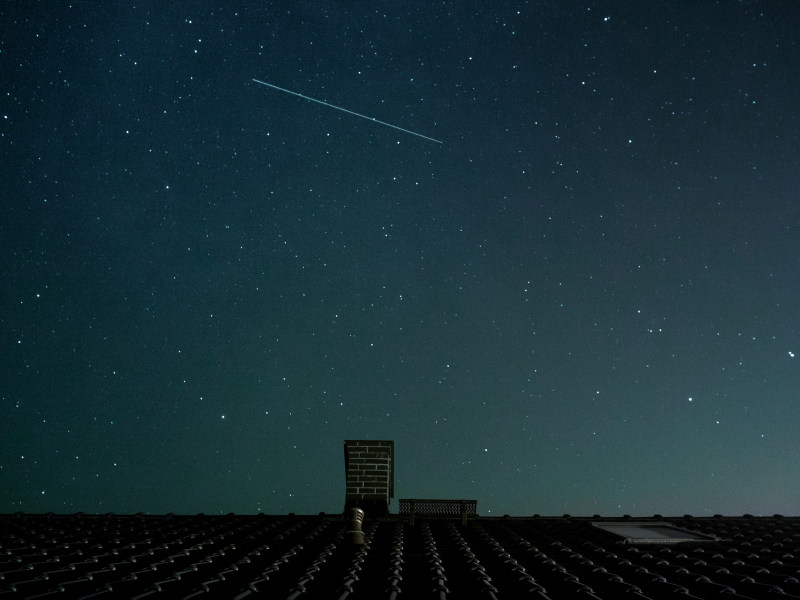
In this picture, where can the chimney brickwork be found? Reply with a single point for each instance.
(369, 470)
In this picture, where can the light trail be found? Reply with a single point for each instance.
(350, 112)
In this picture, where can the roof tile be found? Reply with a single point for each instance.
(294, 557)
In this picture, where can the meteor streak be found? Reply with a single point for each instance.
(350, 112)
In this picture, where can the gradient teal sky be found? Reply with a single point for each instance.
(583, 301)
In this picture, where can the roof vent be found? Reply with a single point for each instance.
(355, 534)
(369, 469)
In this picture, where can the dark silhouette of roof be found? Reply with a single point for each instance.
(294, 556)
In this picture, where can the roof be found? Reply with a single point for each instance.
(294, 556)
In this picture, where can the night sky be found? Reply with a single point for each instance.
(584, 300)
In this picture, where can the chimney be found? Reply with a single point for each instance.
(369, 470)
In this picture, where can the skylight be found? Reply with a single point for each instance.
(651, 532)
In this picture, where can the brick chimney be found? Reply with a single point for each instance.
(369, 470)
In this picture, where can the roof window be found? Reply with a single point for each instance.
(651, 532)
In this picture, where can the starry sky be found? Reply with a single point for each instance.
(583, 300)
